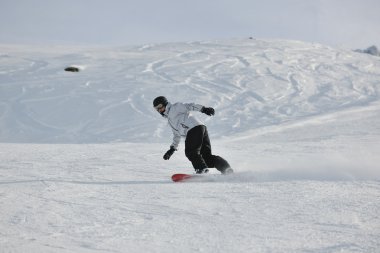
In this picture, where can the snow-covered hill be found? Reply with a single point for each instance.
(251, 83)
(81, 166)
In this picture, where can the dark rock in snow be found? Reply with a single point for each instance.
(372, 50)
(72, 69)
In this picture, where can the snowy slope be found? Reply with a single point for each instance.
(251, 83)
(81, 166)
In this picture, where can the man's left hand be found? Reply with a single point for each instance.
(208, 110)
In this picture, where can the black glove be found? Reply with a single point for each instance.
(169, 153)
(208, 110)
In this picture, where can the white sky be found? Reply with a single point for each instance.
(350, 23)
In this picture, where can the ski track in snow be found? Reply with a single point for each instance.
(254, 82)
(81, 166)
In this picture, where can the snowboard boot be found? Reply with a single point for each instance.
(201, 171)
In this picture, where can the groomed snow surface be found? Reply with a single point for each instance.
(81, 166)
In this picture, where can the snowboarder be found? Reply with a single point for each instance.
(197, 142)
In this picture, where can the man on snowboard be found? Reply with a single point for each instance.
(197, 143)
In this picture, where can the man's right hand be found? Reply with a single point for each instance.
(169, 153)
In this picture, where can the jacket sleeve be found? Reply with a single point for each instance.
(193, 107)
(176, 139)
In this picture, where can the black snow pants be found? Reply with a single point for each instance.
(198, 150)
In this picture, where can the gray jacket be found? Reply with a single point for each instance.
(180, 119)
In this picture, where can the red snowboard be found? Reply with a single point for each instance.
(181, 177)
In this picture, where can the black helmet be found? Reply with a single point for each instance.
(160, 100)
